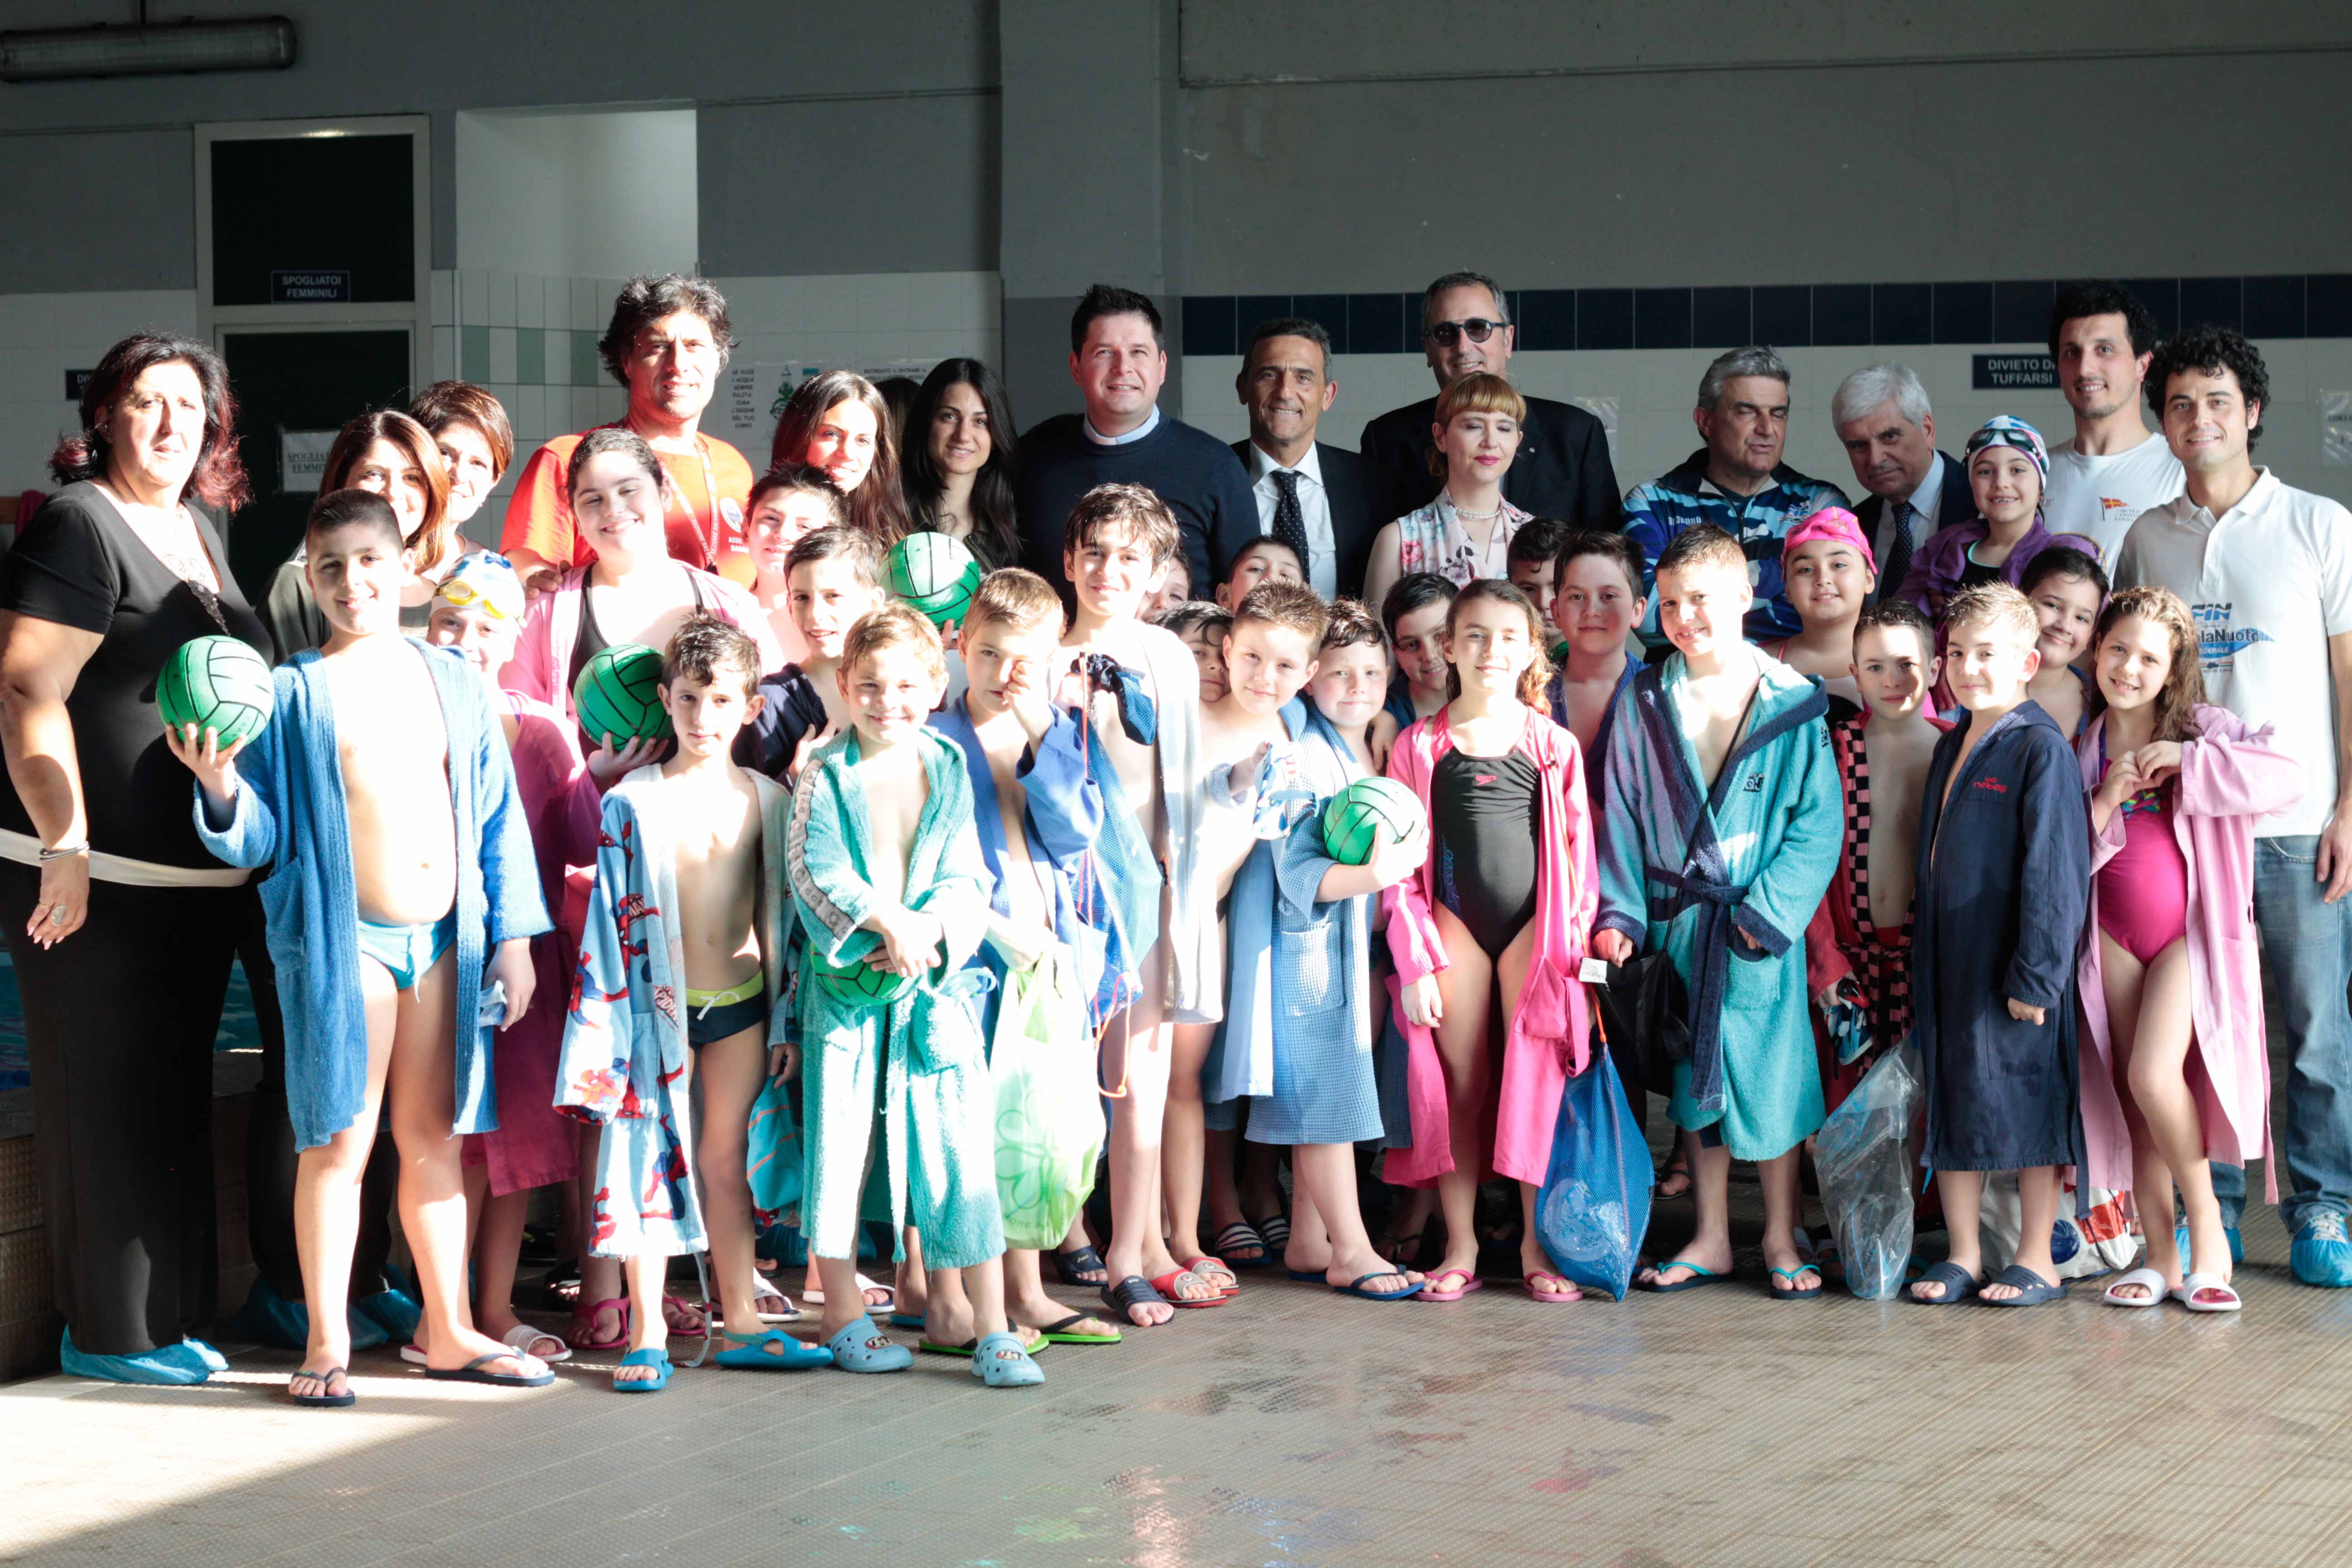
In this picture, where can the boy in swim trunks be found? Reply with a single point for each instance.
(680, 967)
(402, 896)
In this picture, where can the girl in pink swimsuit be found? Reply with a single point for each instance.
(2171, 1078)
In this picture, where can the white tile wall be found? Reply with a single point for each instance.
(42, 336)
(1654, 389)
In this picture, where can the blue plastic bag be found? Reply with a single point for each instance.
(1595, 1205)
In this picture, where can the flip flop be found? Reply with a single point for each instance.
(2150, 1280)
(1356, 1288)
(1058, 1333)
(324, 1401)
(1431, 1291)
(862, 1347)
(816, 1297)
(906, 1320)
(1000, 1361)
(749, 1352)
(1194, 1266)
(653, 1356)
(1567, 1292)
(1237, 1236)
(472, 1372)
(2195, 1285)
(763, 1291)
(2031, 1289)
(1699, 1274)
(1166, 1285)
(700, 1331)
(1068, 1265)
(1275, 1229)
(1958, 1283)
(584, 1323)
(1306, 1276)
(522, 1336)
(1134, 1290)
(1788, 1292)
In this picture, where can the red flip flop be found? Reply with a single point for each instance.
(1557, 1289)
(1430, 1292)
(1166, 1286)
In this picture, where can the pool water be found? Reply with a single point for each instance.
(238, 1028)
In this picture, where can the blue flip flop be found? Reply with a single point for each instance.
(654, 1356)
(326, 1379)
(1000, 1361)
(906, 1320)
(1306, 1276)
(749, 1352)
(1789, 1293)
(1958, 1283)
(1699, 1274)
(2031, 1289)
(156, 1368)
(862, 1347)
(1357, 1289)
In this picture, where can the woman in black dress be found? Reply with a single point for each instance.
(121, 926)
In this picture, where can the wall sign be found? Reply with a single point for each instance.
(78, 383)
(316, 288)
(2008, 373)
(2335, 429)
(302, 459)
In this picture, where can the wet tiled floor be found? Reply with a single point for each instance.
(1289, 1428)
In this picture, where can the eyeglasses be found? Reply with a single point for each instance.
(1445, 335)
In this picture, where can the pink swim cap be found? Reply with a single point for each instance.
(1831, 522)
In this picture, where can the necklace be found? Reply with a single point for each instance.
(1468, 516)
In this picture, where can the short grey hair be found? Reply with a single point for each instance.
(1465, 281)
(1874, 385)
(1753, 359)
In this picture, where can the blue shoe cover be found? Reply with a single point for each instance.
(269, 1319)
(155, 1367)
(395, 1311)
(2322, 1254)
(2237, 1243)
(194, 1352)
(862, 1347)
(1001, 1362)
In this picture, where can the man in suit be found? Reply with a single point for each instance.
(1889, 433)
(1562, 469)
(1315, 498)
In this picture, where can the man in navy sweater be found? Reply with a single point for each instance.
(1120, 361)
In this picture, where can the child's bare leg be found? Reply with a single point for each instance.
(647, 1278)
(1407, 1219)
(1326, 1216)
(1711, 1245)
(946, 1311)
(1224, 1148)
(1784, 1202)
(498, 1247)
(909, 1292)
(1511, 966)
(2121, 977)
(1138, 1047)
(837, 1280)
(327, 1201)
(1027, 1306)
(732, 1071)
(2158, 1084)
(983, 1288)
(2037, 1202)
(1183, 1141)
(422, 1086)
(1962, 1192)
(600, 1277)
(1465, 991)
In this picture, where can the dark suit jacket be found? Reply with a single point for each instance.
(1563, 469)
(1350, 487)
(1954, 503)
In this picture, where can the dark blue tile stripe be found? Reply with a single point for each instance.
(2006, 310)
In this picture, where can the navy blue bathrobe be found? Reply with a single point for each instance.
(2004, 878)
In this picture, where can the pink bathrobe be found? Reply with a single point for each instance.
(2230, 777)
(1549, 1035)
(541, 664)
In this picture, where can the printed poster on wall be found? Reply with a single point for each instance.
(2335, 429)
(302, 459)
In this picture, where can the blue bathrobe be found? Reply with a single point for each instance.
(625, 1051)
(2004, 879)
(922, 1056)
(289, 814)
(1689, 868)
(1297, 1039)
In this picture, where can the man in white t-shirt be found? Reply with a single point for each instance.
(2267, 571)
(2116, 468)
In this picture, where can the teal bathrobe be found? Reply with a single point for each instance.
(923, 1058)
(1688, 868)
(625, 1051)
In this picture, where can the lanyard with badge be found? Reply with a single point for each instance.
(719, 507)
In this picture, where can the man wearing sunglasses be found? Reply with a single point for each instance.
(1562, 469)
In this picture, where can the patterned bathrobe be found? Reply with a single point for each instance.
(922, 1055)
(625, 1050)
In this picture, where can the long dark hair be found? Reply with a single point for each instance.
(992, 487)
(876, 505)
(218, 478)
(433, 537)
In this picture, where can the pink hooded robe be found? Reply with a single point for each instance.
(1549, 1033)
(2230, 777)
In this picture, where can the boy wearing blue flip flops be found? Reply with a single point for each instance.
(681, 961)
(403, 895)
(893, 895)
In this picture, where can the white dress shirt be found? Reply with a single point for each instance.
(1313, 505)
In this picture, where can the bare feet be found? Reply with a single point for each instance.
(1933, 1289)
(1544, 1282)
(467, 1345)
(330, 1383)
(1796, 1273)
(1715, 1256)
(636, 1374)
(1997, 1292)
